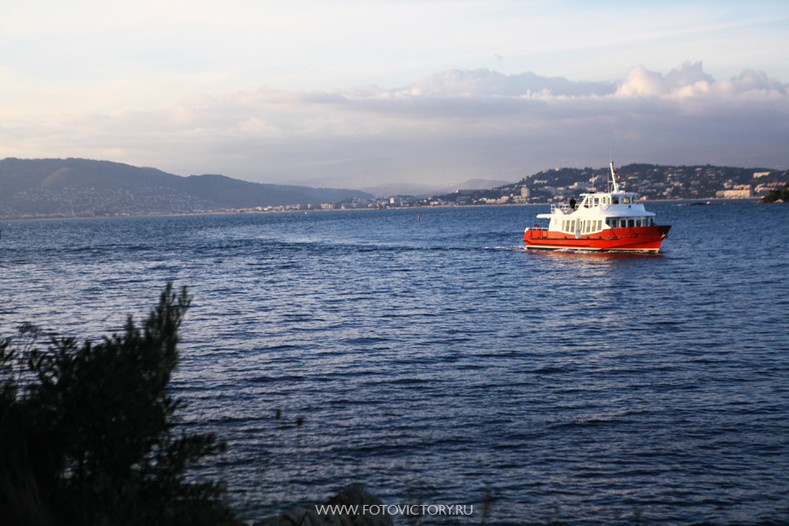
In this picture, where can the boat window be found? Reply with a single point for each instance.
(615, 200)
(625, 199)
(599, 225)
(630, 223)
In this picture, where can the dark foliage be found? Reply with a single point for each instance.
(88, 432)
(777, 195)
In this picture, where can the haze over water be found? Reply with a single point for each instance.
(438, 362)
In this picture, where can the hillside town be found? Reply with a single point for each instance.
(652, 182)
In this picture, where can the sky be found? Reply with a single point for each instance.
(363, 94)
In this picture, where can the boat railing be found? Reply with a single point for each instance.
(563, 207)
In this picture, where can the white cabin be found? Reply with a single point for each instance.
(600, 211)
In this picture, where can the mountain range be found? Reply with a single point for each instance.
(83, 187)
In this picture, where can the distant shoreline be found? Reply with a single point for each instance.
(716, 200)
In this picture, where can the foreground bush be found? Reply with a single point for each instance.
(88, 432)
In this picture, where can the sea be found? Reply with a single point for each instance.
(428, 355)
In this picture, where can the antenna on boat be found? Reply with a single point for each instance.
(613, 178)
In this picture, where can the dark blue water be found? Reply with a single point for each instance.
(440, 363)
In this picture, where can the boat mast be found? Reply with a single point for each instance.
(613, 179)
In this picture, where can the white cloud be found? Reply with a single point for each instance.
(642, 82)
(446, 127)
(689, 80)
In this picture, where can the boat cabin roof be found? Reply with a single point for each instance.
(605, 204)
(598, 194)
(609, 198)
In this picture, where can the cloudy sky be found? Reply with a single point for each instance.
(365, 93)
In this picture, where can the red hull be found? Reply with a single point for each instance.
(637, 239)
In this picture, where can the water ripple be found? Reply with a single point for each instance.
(437, 360)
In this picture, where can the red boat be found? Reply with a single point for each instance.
(605, 221)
